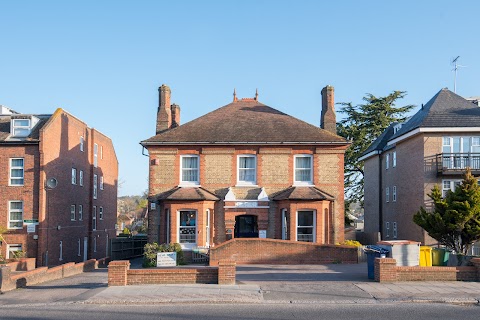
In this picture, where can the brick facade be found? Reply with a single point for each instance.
(235, 206)
(54, 155)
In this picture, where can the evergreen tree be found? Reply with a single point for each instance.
(362, 125)
(454, 220)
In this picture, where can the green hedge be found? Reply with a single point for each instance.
(151, 249)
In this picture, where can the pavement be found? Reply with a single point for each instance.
(256, 284)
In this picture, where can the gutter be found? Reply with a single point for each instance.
(152, 143)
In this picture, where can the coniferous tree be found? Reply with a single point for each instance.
(454, 221)
(362, 125)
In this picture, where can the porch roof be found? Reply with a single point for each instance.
(303, 193)
(186, 193)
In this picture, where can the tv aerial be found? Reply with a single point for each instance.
(455, 68)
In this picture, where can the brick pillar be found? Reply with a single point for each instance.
(6, 283)
(117, 272)
(385, 270)
(226, 272)
(476, 263)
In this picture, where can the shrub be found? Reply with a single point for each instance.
(151, 249)
(351, 243)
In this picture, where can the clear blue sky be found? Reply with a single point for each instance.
(103, 61)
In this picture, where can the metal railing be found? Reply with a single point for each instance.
(457, 161)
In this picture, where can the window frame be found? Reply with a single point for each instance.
(245, 182)
(82, 144)
(453, 183)
(74, 176)
(11, 178)
(100, 213)
(28, 128)
(299, 182)
(95, 186)
(80, 178)
(18, 246)
(313, 226)
(387, 161)
(189, 183)
(394, 194)
(60, 256)
(387, 194)
(94, 218)
(79, 248)
(73, 211)
(15, 210)
(394, 230)
(394, 159)
(101, 182)
(387, 229)
(80, 212)
(95, 155)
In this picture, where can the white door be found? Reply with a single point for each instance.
(85, 248)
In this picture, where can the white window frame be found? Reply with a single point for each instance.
(101, 182)
(21, 127)
(95, 186)
(387, 229)
(189, 183)
(94, 218)
(387, 160)
(74, 175)
(394, 159)
(449, 184)
(387, 194)
(80, 212)
(13, 247)
(73, 209)
(22, 178)
(245, 182)
(187, 245)
(300, 183)
(100, 213)
(82, 143)
(60, 256)
(394, 194)
(394, 230)
(95, 155)
(10, 211)
(284, 225)
(80, 178)
(101, 152)
(314, 226)
(208, 230)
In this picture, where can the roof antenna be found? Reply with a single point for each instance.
(234, 95)
(455, 68)
(256, 94)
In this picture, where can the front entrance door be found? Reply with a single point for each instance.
(246, 226)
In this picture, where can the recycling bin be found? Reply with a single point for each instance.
(425, 256)
(405, 252)
(373, 252)
(440, 256)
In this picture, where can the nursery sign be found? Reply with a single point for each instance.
(166, 259)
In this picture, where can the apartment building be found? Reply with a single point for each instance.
(58, 187)
(245, 170)
(434, 146)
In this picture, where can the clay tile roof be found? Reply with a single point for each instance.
(303, 193)
(192, 194)
(246, 121)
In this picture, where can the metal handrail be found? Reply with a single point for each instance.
(457, 161)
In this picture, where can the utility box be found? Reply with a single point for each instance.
(405, 252)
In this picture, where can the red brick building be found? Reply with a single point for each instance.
(58, 187)
(245, 170)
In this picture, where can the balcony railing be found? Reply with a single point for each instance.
(452, 163)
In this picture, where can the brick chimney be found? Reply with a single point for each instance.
(175, 115)
(164, 113)
(328, 119)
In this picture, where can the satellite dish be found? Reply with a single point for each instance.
(52, 183)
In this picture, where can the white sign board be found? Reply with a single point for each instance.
(31, 228)
(262, 233)
(166, 259)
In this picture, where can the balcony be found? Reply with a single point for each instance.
(456, 163)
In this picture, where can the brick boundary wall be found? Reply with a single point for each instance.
(386, 270)
(10, 281)
(119, 274)
(271, 251)
(23, 264)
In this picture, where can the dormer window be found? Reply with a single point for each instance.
(20, 128)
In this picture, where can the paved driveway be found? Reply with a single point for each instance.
(330, 282)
